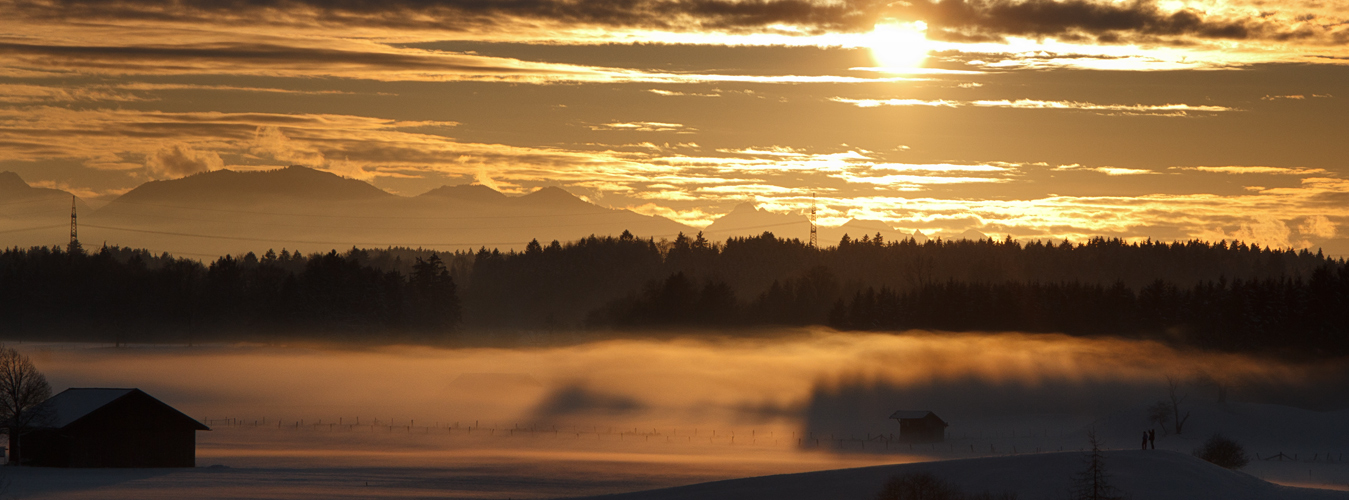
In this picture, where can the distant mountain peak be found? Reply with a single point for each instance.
(748, 219)
(746, 207)
(13, 187)
(553, 195)
(972, 234)
(235, 187)
(467, 192)
(868, 224)
(11, 181)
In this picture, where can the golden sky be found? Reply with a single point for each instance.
(1157, 119)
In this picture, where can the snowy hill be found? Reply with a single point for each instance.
(1261, 428)
(1152, 475)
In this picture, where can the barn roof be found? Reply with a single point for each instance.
(76, 403)
(73, 404)
(908, 414)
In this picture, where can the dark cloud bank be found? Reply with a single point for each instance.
(950, 19)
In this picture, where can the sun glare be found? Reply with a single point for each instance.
(899, 46)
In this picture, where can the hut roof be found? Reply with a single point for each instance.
(909, 414)
(74, 404)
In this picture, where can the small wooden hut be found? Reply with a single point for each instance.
(920, 426)
(108, 428)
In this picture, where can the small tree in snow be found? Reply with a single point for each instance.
(1173, 390)
(1160, 415)
(1223, 452)
(1093, 483)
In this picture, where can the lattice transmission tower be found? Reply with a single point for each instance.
(74, 228)
(814, 242)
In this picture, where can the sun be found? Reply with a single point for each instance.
(899, 46)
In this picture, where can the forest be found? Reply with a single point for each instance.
(1225, 296)
(120, 295)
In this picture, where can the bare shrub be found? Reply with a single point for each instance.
(925, 486)
(1223, 452)
(918, 486)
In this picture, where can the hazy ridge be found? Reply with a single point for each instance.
(224, 212)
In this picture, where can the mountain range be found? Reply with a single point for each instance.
(298, 208)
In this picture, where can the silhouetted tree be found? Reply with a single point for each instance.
(1160, 414)
(1093, 483)
(22, 391)
(434, 300)
(1173, 392)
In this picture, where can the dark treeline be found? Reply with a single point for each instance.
(1289, 316)
(561, 284)
(117, 294)
(1219, 295)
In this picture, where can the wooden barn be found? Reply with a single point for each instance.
(920, 426)
(108, 428)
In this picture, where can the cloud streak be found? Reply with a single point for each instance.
(295, 58)
(980, 20)
(642, 127)
(460, 15)
(1137, 109)
(1256, 169)
(1104, 21)
(690, 183)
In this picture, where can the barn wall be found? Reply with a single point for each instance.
(134, 431)
(44, 448)
(921, 431)
(140, 448)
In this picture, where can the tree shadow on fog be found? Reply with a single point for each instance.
(853, 409)
(859, 407)
(577, 400)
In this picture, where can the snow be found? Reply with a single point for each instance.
(909, 414)
(283, 419)
(1153, 475)
(1263, 428)
(73, 404)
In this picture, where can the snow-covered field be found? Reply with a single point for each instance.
(628, 416)
(1154, 475)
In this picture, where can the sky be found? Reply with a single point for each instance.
(1035, 119)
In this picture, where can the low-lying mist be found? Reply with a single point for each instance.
(619, 396)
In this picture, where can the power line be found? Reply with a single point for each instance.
(54, 226)
(760, 226)
(31, 199)
(320, 242)
(311, 242)
(47, 211)
(272, 224)
(612, 211)
(359, 243)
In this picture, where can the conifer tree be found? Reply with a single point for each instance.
(1093, 483)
